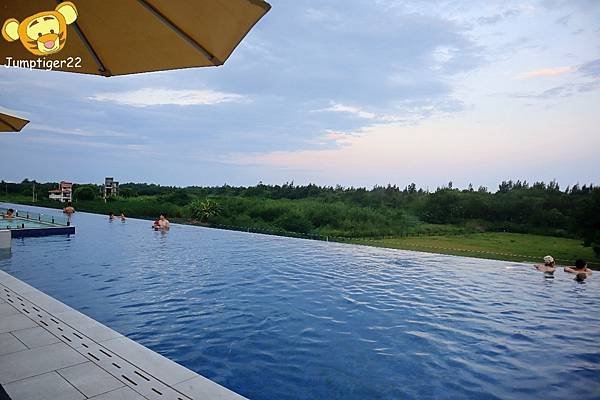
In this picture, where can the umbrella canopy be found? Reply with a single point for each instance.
(8, 123)
(119, 37)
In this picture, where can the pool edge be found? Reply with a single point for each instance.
(78, 340)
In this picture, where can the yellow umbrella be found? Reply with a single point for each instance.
(119, 37)
(8, 123)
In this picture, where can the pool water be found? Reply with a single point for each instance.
(17, 223)
(280, 318)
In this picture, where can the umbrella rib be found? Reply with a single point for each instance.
(105, 71)
(9, 125)
(211, 57)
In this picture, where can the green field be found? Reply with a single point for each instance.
(497, 246)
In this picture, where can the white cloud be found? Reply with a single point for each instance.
(547, 72)
(159, 97)
(343, 108)
(14, 113)
(80, 132)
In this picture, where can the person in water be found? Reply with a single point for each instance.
(9, 213)
(156, 225)
(122, 216)
(549, 265)
(580, 270)
(69, 210)
(111, 216)
(164, 222)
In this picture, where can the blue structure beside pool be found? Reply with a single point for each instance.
(33, 224)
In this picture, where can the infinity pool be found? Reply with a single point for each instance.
(279, 318)
(17, 223)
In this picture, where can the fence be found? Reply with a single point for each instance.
(45, 218)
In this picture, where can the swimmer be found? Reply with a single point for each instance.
(122, 217)
(69, 210)
(164, 223)
(580, 270)
(9, 213)
(111, 216)
(549, 265)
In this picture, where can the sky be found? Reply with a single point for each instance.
(352, 93)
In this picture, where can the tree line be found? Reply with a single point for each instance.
(516, 206)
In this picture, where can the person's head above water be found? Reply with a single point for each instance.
(580, 264)
(548, 260)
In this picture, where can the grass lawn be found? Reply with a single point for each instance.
(498, 246)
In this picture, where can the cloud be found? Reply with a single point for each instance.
(15, 113)
(342, 108)
(591, 68)
(159, 97)
(80, 132)
(547, 72)
(564, 20)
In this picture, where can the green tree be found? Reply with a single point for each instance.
(85, 193)
(204, 210)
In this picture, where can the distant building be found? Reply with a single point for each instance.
(64, 193)
(111, 188)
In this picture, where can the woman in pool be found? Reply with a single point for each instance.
(122, 216)
(549, 265)
(9, 213)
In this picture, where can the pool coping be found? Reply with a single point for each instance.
(47, 346)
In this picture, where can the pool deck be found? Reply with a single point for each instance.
(48, 350)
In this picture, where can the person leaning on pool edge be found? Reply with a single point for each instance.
(549, 265)
(580, 270)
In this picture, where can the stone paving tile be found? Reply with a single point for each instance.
(6, 310)
(35, 337)
(50, 386)
(45, 302)
(28, 363)
(90, 379)
(88, 326)
(10, 344)
(119, 394)
(203, 388)
(160, 367)
(15, 322)
(13, 283)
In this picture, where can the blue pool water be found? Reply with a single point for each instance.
(280, 318)
(18, 223)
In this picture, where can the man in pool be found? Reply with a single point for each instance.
(580, 270)
(9, 213)
(69, 210)
(163, 223)
(548, 267)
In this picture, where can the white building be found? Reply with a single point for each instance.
(64, 193)
(111, 188)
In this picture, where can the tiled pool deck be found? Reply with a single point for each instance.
(51, 351)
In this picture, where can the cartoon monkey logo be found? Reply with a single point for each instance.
(44, 33)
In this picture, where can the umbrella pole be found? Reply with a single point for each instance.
(102, 68)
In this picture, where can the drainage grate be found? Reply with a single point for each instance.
(137, 379)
